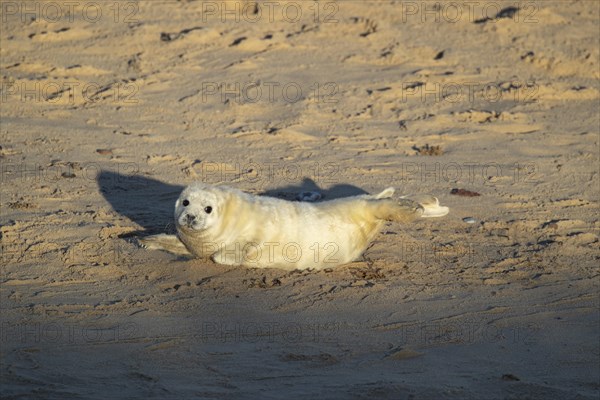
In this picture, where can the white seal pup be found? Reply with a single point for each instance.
(236, 228)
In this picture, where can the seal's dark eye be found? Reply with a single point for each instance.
(208, 209)
(186, 203)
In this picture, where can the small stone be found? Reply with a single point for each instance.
(464, 193)
(469, 220)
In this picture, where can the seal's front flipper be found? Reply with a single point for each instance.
(231, 257)
(169, 243)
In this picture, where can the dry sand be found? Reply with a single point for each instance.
(105, 117)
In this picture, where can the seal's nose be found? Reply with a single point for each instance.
(190, 218)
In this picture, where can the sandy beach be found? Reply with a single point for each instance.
(109, 109)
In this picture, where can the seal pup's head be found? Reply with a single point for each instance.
(198, 207)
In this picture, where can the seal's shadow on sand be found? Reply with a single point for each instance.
(308, 185)
(150, 203)
(146, 201)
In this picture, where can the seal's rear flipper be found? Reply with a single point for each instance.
(386, 193)
(431, 206)
(402, 210)
(169, 243)
(407, 208)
